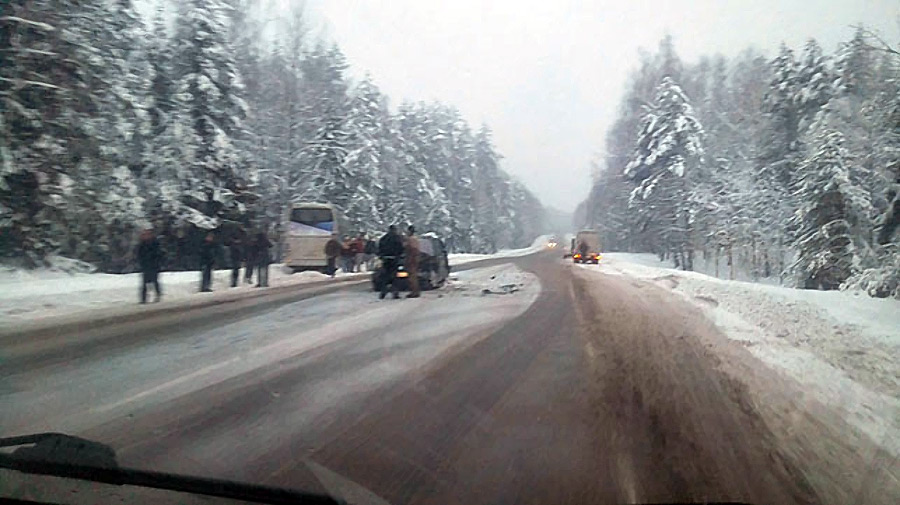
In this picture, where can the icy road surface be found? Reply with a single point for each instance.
(388, 338)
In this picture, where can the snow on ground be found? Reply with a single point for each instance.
(841, 346)
(538, 245)
(37, 294)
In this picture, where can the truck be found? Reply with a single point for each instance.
(586, 247)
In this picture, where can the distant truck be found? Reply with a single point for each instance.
(586, 247)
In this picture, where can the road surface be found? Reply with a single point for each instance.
(545, 395)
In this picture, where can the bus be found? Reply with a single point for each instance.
(310, 226)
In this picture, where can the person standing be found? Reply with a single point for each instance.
(249, 259)
(411, 262)
(207, 260)
(332, 251)
(236, 256)
(262, 246)
(346, 255)
(371, 251)
(150, 259)
(390, 248)
(358, 247)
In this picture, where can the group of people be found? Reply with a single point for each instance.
(250, 253)
(253, 254)
(352, 254)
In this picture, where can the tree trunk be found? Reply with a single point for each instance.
(716, 261)
(731, 262)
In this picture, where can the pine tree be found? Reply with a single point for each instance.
(814, 82)
(487, 203)
(207, 118)
(319, 172)
(779, 146)
(419, 200)
(668, 146)
(365, 150)
(854, 67)
(48, 124)
(831, 209)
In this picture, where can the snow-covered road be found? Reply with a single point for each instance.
(843, 347)
(155, 370)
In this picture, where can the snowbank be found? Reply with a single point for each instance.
(841, 346)
(538, 245)
(28, 295)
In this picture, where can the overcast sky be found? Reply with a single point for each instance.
(547, 75)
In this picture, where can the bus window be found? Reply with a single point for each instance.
(321, 219)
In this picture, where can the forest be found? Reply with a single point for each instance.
(786, 167)
(210, 116)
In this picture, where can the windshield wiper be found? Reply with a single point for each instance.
(71, 457)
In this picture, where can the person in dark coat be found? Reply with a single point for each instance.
(390, 249)
(207, 260)
(150, 259)
(332, 251)
(371, 251)
(236, 257)
(249, 260)
(261, 248)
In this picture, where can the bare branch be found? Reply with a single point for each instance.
(35, 24)
(882, 45)
(25, 82)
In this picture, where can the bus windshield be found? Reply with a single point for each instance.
(312, 220)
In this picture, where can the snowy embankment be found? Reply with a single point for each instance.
(27, 296)
(538, 245)
(842, 347)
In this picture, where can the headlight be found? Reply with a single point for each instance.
(402, 275)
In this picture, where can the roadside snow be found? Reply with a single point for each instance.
(538, 245)
(841, 346)
(37, 294)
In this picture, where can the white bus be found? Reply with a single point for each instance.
(310, 226)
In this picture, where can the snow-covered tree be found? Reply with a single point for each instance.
(212, 121)
(669, 145)
(362, 163)
(319, 172)
(207, 118)
(832, 210)
(814, 83)
(779, 145)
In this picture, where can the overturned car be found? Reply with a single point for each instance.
(434, 267)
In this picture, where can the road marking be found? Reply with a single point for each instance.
(166, 385)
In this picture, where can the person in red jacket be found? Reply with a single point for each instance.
(358, 248)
